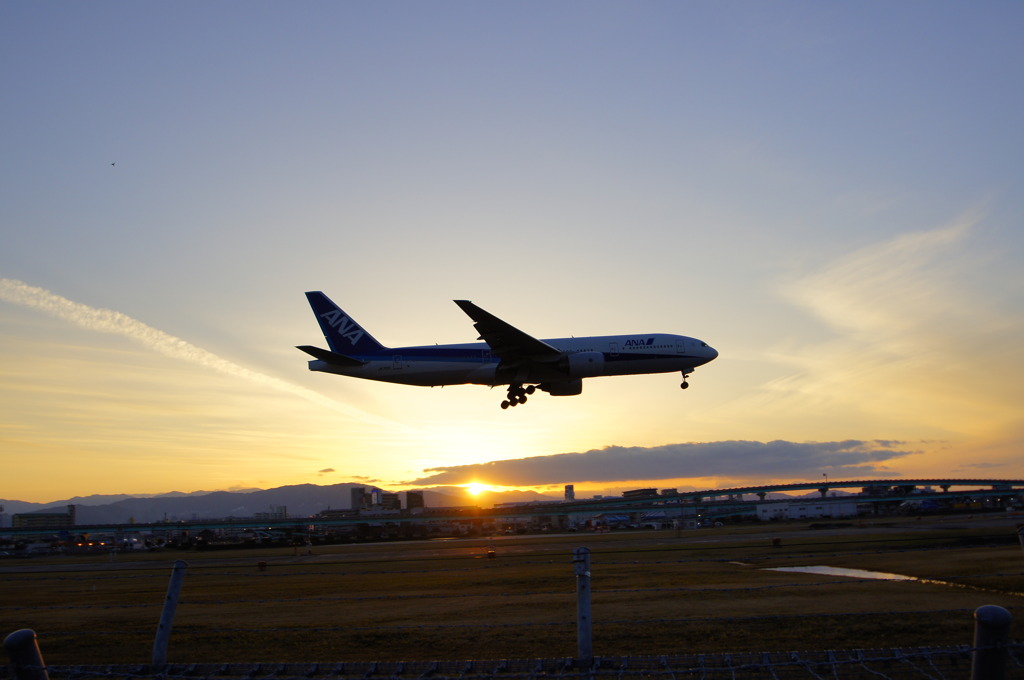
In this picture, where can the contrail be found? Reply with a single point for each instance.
(109, 321)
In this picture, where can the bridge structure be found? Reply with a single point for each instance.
(705, 504)
(876, 494)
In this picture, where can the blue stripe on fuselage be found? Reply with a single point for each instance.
(475, 353)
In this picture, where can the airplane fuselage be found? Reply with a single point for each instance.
(507, 356)
(474, 363)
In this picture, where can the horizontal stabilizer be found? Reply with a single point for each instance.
(330, 357)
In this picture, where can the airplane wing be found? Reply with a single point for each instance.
(507, 342)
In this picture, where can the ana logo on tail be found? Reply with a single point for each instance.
(346, 327)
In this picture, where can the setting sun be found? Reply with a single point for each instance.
(476, 488)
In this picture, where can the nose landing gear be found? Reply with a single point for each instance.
(517, 395)
(685, 384)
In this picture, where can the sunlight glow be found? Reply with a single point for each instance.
(476, 488)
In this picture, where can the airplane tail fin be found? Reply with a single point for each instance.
(343, 335)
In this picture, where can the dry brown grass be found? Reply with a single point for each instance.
(653, 593)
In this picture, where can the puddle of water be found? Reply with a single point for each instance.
(840, 571)
(886, 576)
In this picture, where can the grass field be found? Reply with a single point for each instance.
(654, 592)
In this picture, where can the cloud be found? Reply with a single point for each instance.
(109, 321)
(892, 290)
(726, 459)
(983, 466)
(325, 471)
(926, 342)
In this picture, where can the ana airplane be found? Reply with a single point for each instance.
(508, 356)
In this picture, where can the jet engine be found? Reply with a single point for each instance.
(583, 364)
(565, 388)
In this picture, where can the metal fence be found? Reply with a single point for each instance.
(991, 656)
(940, 663)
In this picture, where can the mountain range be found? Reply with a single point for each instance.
(303, 500)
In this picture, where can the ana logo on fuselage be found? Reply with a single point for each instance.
(345, 326)
(640, 342)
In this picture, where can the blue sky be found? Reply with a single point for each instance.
(829, 194)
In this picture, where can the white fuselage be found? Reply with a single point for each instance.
(474, 363)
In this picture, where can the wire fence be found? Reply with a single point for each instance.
(291, 591)
(939, 663)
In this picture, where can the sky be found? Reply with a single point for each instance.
(830, 194)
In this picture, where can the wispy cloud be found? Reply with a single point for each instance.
(110, 321)
(892, 290)
(919, 342)
(732, 460)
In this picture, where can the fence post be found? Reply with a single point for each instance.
(991, 642)
(26, 659)
(584, 640)
(163, 631)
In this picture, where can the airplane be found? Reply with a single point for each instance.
(507, 356)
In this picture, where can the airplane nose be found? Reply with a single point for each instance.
(712, 353)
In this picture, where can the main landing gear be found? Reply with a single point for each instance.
(517, 395)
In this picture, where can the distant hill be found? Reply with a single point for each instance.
(16, 506)
(302, 500)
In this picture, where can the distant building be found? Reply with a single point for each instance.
(376, 501)
(276, 512)
(570, 493)
(414, 500)
(336, 514)
(640, 493)
(361, 500)
(45, 520)
(806, 510)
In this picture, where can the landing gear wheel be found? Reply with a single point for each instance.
(684, 385)
(517, 395)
